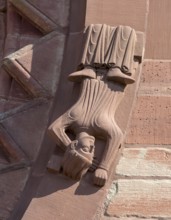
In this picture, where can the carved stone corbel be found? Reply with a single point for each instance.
(109, 62)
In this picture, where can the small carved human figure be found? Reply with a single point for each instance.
(107, 66)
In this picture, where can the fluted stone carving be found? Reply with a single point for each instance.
(108, 64)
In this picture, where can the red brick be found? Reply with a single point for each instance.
(143, 198)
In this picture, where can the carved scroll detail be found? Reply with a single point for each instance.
(108, 64)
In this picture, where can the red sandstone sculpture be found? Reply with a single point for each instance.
(107, 66)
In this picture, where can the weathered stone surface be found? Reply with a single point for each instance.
(4, 78)
(156, 78)
(7, 105)
(28, 11)
(17, 91)
(54, 164)
(31, 68)
(126, 218)
(43, 15)
(60, 198)
(3, 159)
(20, 127)
(9, 146)
(5, 83)
(158, 37)
(145, 162)
(125, 12)
(2, 26)
(150, 123)
(126, 104)
(156, 71)
(11, 190)
(18, 34)
(143, 198)
(36, 61)
(51, 7)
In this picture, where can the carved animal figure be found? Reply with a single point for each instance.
(107, 66)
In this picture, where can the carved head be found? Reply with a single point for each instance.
(79, 156)
(85, 143)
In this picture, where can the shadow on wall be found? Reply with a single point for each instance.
(52, 183)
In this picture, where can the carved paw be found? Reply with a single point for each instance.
(100, 177)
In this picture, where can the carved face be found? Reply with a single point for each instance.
(86, 144)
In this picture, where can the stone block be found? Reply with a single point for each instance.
(45, 72)
(149, 161)
(150, 122)
(3, 76)
(156, 71)
(124, 12)
(13, 20)
(2, 26)
(12, 150)
(17, 25)
(156, 78)
(6, 105)
(28, 30)
(77, 25)
(43, 15)
(19, 32)
(31, 68)
(125, 218)
(27, 127)
(158, 42)
(17, 92)
(5, 83)
(54, 164)
(58, 197)
(12, 185)
(141, 198)
(51, 7)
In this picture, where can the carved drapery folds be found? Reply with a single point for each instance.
(107, 65)
(109, 48)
